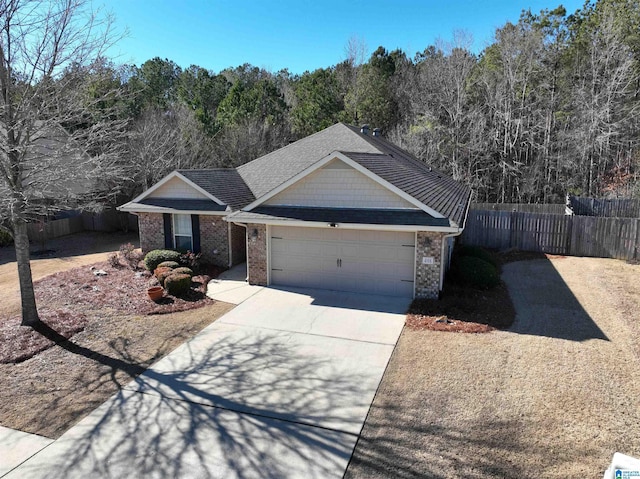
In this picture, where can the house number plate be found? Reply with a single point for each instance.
(428, 260)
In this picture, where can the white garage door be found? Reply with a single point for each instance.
(363, 261)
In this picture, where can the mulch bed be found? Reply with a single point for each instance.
(463, 310)
(467, 310)
(70, 295)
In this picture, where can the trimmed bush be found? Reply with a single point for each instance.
(476, 252)
(5, 238)
(177, 284)
(162, 273)
(169, 264)
(183, 270)
(157, 256)
(475, 272)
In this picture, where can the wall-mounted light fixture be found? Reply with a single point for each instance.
(333, 225)
(254, 235)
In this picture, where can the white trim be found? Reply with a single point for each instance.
(415, 263)
(230, 244)
(132, 207)
(170, 176)
(351, 226)
(341, 156)
(267, 241)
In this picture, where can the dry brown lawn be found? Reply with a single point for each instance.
(554, 396)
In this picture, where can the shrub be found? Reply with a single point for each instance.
(130, 255)
(162, 273)
(169, 264)
(5, 238)
(113, 260)
(178, 284)
(476, 252)
(183, 270)
(191, 260)
(475, 272)
(157, 256)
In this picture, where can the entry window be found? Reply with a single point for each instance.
(182, 234)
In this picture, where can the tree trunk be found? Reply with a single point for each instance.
(27, 295)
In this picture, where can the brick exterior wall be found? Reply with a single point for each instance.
(151, 228)
(214, 240)
(238, 244)
(428, 244)
(214, 236)
(257, 261)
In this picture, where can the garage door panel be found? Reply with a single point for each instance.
(379, 262)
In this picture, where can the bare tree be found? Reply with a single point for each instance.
(56, 137)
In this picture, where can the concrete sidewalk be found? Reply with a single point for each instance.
(277, 388)
(232, 286)
(17, 446)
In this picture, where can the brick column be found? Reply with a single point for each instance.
(257, 249)
(428, 244)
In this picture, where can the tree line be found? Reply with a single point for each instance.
(550, 107)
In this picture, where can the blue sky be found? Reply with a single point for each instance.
(300, 34)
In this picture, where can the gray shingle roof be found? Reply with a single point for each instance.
(428, 185)
(242, 186)
(342, 215)
(223, 183)
(270, 171)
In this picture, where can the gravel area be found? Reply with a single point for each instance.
(554, 396)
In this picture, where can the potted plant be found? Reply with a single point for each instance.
(155, 293)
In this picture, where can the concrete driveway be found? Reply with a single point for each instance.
(277, 388)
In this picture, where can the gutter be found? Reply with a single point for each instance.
(444, 242)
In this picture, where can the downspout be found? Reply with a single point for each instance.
(246, 242)
(230, 244)
(444, 242)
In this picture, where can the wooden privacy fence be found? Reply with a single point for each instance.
(555, 234)
(620, 208)
(41, 231)
(105, 221)
(521, 207)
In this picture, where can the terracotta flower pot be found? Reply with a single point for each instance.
(155, 293)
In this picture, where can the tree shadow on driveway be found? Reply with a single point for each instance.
(545, 305)
(232, 405)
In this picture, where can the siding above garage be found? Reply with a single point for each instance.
(337, 185)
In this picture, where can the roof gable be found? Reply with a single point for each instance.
(189, 189)
(390, 165)
(272, 170)
(344, 158)
(177, 188)
(338, 185)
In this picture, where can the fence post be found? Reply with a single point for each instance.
(635, 247)
(569, 234)
(512, 230)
